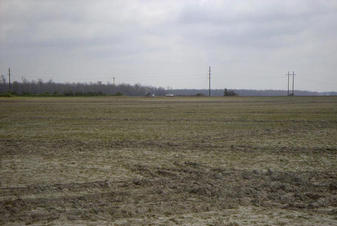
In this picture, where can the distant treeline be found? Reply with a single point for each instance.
(50, 88)
(246, 92)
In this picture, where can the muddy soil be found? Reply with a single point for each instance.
(168, 161)
(187, 188)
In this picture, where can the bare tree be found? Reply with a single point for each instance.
(3, 79)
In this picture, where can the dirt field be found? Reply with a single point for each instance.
(168, 161)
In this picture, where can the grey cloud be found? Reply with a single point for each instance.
(165, 38)
(267, 28)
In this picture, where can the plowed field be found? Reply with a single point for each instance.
(169, 161)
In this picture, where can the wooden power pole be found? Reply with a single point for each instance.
(293, 94)
(9, 78)
(209, 81)
(288, 82)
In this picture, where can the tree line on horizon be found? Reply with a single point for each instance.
(246, 92)
(50, 88)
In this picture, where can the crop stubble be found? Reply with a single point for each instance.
(240, 160)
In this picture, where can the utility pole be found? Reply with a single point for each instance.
(9, 78)
(113, 79)
(209, 81)
(288, 82)
(293, 84)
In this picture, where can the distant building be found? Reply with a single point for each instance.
(150, 94)
(169, 95)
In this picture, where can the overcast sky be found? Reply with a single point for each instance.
(249, 44)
